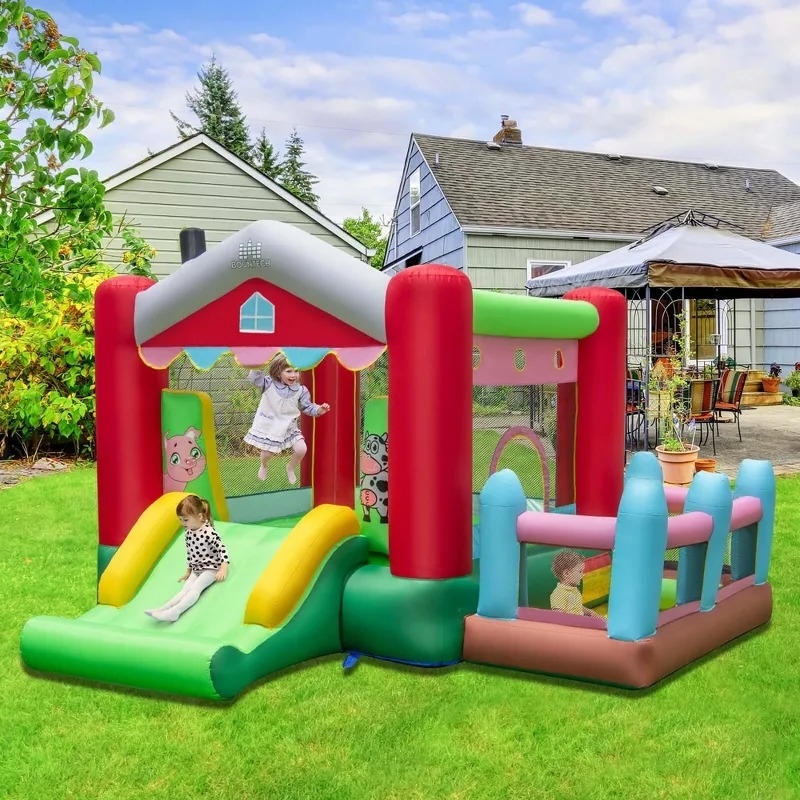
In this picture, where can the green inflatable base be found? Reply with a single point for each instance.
(105, 552)
(406, 619)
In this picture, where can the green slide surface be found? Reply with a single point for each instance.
(208, 652)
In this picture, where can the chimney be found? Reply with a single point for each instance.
(509, 134)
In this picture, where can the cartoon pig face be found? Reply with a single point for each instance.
(185, 460)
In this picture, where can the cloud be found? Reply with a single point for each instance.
(267, 40)
(604, 8)
(534, 16)
(706, 81)
(413, 21)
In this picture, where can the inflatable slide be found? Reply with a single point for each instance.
(280, 605)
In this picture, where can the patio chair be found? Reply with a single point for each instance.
(635, 417)
(729, 397)
(702, 397)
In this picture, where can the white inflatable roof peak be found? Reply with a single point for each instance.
(281, 254)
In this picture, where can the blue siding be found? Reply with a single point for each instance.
(440, 235)
(782, 327)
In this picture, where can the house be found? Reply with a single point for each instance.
(505, 211)
(199, 183)
(782, 316)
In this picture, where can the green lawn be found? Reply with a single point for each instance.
(727, 728)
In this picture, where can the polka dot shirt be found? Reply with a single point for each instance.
(204, 549)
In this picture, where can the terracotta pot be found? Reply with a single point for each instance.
(771, 384)
(705, 465)
(678, 466)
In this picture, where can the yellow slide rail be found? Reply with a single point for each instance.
(137, 555)
(285, 580)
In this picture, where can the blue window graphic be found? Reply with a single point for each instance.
(257, 315)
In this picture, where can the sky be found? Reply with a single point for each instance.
(702, 80)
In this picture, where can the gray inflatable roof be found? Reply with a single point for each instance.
(282, 254)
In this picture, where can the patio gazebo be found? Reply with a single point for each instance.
(687, 263)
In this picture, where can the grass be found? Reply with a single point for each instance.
(726, 728)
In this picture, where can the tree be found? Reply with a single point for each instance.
(370, 233)
(266, 157)
(216, 106)
(299, 182)
(46, 103)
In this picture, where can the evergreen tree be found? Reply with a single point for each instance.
(299, 182)
(266, 157)
(216, 106)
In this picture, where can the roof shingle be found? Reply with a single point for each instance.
(541, 188)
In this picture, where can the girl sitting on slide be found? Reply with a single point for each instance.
(275, 428)
(206, 557)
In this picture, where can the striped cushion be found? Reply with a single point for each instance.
(732, 385)
(703, 395)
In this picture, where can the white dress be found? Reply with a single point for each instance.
(275, 427)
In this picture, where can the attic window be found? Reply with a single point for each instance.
(660, 190)
(257, 315)
(414, 195)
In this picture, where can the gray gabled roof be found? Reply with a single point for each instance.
(784, 221)
(540, 188)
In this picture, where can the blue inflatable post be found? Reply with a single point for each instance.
(700, 565)
(637, 562)
(502, 500)
(755, 479)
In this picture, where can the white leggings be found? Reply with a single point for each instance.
(195, 585)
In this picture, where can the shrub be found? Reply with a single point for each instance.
(47, 370)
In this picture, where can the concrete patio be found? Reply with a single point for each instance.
(771, 432)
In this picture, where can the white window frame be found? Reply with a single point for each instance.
(547, 262)
(414, 179)
(256, 316)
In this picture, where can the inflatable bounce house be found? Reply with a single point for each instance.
(578, 584)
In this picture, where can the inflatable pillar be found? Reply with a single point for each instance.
(336, 434)
(600, 413)
(429, 334)
(128, 413)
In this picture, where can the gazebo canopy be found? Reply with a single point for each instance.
(704, 261)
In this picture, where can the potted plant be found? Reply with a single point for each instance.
(677, 456)
(772, 382)
(793, 380)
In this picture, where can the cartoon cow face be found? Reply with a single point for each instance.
(374, 488)
(185, 459)
(375, 455)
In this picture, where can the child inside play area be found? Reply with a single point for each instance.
(568, 569)
(206, 557)
(275, 427)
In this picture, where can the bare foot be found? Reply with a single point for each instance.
(290, 475)
(262, 473)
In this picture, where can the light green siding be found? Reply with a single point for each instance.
(200, 189)
(501, 262)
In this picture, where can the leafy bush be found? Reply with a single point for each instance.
(47, 370)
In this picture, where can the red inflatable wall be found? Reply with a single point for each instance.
(429, 334)
(336, 434)
(128, 412)
(600, 428)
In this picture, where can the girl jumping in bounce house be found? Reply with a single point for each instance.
(275, 427)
